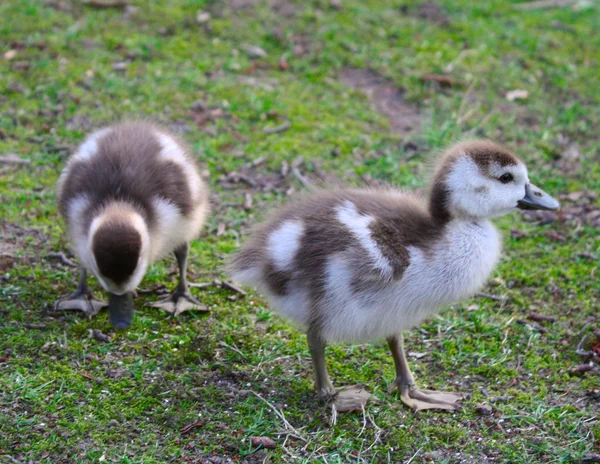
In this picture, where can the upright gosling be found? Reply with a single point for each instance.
(130, 195)
(359, 265)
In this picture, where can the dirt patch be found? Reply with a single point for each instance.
(434, 13)
(386, 98)
(14, 240)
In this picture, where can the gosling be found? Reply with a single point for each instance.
(130, 195)
(361, 265)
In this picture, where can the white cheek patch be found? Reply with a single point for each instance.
(88, 149)
(283, 244)
(358, 224)
(173, 153)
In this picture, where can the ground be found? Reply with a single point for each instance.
(272, 96)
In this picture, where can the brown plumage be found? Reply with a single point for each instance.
(130, 195)
(352, 265)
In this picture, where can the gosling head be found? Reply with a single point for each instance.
(119, 255)
(480, 179)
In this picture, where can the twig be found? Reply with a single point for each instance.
(378, 432)
(204, 284)
(541, 317)
(533, 325)
(544, 4)
(303, 180)
(233, 348)
(580, 351)
(232, 287)
(248, 200)
(13, 159)
(581, 369)
(442, 80)
(189, 427)
(35, 326)
(63, 258)
(276, 129)
(364, 425)
(258, 161)
(106, 3)
(414, 456)
(333, 419)
(281, 416)
(502, 299)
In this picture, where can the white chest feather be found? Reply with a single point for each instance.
(455, 268)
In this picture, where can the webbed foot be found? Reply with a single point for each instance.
(81, 300)
(418, 399)
(179, 302)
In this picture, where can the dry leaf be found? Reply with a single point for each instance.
(351, 399)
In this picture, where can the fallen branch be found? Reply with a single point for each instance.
(276, 129)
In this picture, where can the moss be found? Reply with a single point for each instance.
(66, 396)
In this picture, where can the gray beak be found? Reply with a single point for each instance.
(120, 310)
(536, 198)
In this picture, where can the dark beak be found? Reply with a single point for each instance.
(120, 310)
(536, 198)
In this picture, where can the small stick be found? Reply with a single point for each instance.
(248, 201)
(63, 258)
(202, 285)
(13, 159)
(541, 317)
(35, 326)
(281, 416)
(193, 425)
(442, 80)
(276, 129)
(106, 4)
(543, 4)
(232, 287)
(580, 351)
(259, 161)
(534, 325)
(303, 180)
(502, 299)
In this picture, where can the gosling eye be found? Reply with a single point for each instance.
(506, 178)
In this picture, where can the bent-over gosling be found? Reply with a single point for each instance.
(359, 265)
(130, 195)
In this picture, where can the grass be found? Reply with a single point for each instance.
(64, 396)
